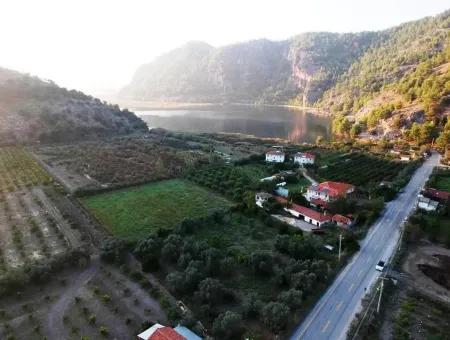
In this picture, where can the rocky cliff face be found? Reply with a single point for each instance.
(259, 71)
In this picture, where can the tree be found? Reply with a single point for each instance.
(176, 281)
(228, 325)
(262, 262)
(282, 243)
(210, 291)
(291, 298)
(297, 197)
(355, 130)
(172, 247)
(148, 251)
(275, 316)
(193, 274)
(341, 125)
(319, 140)
(252, 305)
(113, 250)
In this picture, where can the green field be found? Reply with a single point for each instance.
(442, 183)
(134, 213)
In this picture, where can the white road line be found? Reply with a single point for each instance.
(351, 287)
(339, 305)
(326, 326)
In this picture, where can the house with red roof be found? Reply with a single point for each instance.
(275, 156)
(342, 221)
(309, 215)
(160, 332)
(438, 195)
(328, 191)
(303, 158)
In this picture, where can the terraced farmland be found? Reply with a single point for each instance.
(19, 170)
(31, 229)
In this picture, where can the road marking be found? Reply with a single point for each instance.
(326, 326)
(360, 272)
(351, 287)
(369, 259)
(339, 305)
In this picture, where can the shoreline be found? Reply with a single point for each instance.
(153, 106)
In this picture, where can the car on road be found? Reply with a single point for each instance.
(380, 266)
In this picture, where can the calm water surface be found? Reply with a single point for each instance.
(294, 125)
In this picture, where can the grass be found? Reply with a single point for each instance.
(442, 183)
(254, 171)
(302, 184)
(134, 213)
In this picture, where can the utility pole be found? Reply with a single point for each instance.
(340, 244)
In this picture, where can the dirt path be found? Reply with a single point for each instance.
(71, 235)
(309, 178)
(54, 325)
(157, 313)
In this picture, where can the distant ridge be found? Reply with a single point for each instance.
(34, 110)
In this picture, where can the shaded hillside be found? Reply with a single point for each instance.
(259, 71)
(34, 110)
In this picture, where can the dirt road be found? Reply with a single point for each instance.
(54, 324)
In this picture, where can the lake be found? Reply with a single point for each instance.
(261, 121)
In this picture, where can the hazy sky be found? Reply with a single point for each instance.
(98, 44)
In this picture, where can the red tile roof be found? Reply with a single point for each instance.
(305, 154)
(438, 194)
(342, 219)
(166, 333)
(313, 214)
(334, 189)
(318, 201)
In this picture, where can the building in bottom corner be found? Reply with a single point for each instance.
(160, 332)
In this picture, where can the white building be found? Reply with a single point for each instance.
(427, 204)
(329, 191)
(275, 156)
(405, 158)
(304, 158)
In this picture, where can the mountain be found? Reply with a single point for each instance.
(386, 81)
(259, 71)
(337, 72)
(35, 110)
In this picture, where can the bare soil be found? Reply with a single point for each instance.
(438, 273)
(431, 257)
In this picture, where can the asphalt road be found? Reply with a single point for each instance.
(334, 312)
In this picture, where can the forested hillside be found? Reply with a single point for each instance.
(387, 61)
(34, 110)
(400, 88)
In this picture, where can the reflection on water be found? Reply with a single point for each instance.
(294, 125)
